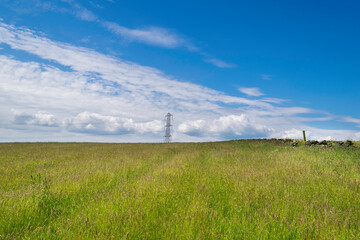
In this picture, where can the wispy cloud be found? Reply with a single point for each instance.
(252, 92)
(266, 77)
(351, 120)
(117, 100)
(219, 63)
(150, 35)
(274, 100)
(86, 15)
(26, 7)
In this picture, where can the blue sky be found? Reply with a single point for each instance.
(110, 70)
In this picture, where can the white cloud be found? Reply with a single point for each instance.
(29, 6)
(226, 127)
(86, 15)
(150, 35)
(117, 100)
(99, 124)
(38, 119)
(317, 134)
(194, 128)
(274, 100)
(162, 37)
(357, 136)
(79, 11)
(220, 63)
(251, 91)
(146, 81)
(351, 120)
(290, 133)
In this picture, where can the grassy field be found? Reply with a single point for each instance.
(225, 190)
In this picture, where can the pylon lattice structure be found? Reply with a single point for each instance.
(168, 127)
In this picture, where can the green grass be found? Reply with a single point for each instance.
(226, 190)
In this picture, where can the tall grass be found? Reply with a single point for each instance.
(225, 190)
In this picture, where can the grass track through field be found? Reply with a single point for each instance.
(228, 190)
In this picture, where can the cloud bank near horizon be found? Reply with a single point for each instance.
(72, 93)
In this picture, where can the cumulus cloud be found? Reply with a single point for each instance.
(98, 124)
(38, 119)
(316, 134)
(357, 136)
(193, 128)
(290, 133)
(251, 91)
(226, 127)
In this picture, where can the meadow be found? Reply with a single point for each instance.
(249, 189)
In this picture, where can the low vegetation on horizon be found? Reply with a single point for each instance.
(251, 189)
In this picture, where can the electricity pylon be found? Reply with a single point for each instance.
(168, 127)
